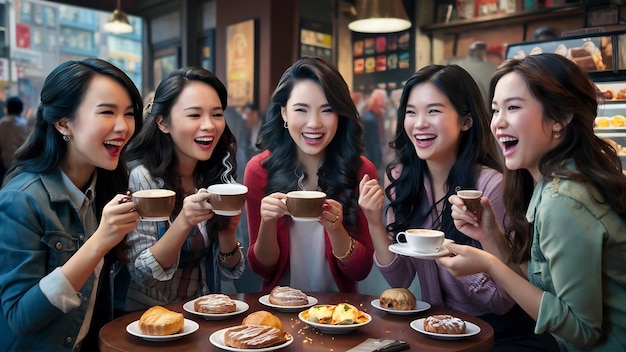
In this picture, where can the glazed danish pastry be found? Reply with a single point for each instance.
(444, 324)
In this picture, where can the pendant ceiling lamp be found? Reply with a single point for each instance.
(118, 22)
(379, 16)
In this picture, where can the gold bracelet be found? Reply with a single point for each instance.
(348, 253)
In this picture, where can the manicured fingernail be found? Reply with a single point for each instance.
(325, 205)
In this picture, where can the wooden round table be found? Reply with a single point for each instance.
(113, 336)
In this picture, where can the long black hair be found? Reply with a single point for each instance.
(476, 148)
(337, 176)
(156, 151)
(62, 93)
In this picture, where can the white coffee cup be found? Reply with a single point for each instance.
(422, 240)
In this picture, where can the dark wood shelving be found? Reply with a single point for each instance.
(543, 14)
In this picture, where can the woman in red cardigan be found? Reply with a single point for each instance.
(312, 140)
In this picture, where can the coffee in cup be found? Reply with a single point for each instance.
(227, 199)
(422, 240)
(154, 204)
(305, 205)
(471, 198)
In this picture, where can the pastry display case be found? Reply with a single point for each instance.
(603, 56)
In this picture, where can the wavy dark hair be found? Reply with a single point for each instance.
(338, 173)
(565, 92)
(61, 95)
(476, 148)
(155, 149)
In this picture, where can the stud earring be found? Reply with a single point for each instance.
(285, 124)
(556, 133)
(66, 138)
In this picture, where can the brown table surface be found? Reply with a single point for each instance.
(113, 336)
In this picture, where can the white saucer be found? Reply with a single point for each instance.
(404, 249)
(419, 307)
(189, 327)
(304, 219)
(162, 218)
(265, 300)
(470, 328)
(241, 307)
(227, 212)
(217, 339)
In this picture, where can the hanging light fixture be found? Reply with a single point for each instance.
(379, 16)
(118, 22)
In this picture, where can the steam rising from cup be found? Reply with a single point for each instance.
(226, 178)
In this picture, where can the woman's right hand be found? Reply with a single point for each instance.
(465, 221)
(118, 218)
(371, 199)
(196, 208)
(274, 207)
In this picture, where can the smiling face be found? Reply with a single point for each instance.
(196, 123)
(103, 124)
(523, 134)
(311, 121)
(433, 125)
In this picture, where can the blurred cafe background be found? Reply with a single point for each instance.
(249, 44)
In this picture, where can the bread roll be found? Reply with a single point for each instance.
(253, 337)
(444, 324)
(398, 299)
(263, 318)
(215, 303)
(160, 321)
(287, 296)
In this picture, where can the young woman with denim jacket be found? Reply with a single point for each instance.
(62, 207)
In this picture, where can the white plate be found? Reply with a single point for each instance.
(189, 327)
(404, 249)
(419, 306)
(470, 328)
(295, 218)
(241, 307)
(265, 300)
(335, 329)
(227, 212)
(217, 339)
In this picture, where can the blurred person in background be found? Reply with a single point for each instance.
(13, 132)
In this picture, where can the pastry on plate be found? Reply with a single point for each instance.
(287, 296)
(397, 299)
(253, 337)
(160, 321)
(263, 318)
(444, 324)
(215, 303)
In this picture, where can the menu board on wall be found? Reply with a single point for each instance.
(382, 61)
(316, 39)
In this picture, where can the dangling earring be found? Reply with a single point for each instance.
(285, 124)
(556, 132)
(66, 138)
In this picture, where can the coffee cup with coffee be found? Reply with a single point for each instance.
(471, 198)
(422, 240)
(305, 205)
(227, 199)
(154, 204)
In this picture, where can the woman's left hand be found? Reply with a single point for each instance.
(332, 215)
